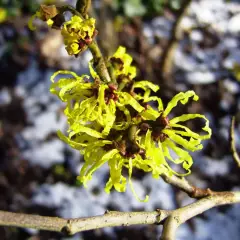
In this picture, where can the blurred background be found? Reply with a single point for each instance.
(177, 44)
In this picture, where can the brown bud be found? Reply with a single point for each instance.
(144, 127)
(112, 86)
(48, 12)
(162, 121)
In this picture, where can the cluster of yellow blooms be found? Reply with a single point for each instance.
(121, 128)
(77, 33)
(116, 123)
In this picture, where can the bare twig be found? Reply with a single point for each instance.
(181, 215)
(184, 185)
(99, 63)
(69, 8)
(168, 54)
(232, 142)
(72, 226)
(107, 37)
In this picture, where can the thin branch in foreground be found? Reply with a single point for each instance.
(72, 226)
(114, 218)
(232, 142)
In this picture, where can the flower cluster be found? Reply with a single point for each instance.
(77, 34)
(117, 125)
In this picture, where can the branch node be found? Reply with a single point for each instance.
(177, 219)
(200, 193)
(159, 219)
(67, 230)
(107, 212)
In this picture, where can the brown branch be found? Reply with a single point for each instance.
(168, 54)
(184, 185)
(69, 8)
(232, 142)
(99, 63)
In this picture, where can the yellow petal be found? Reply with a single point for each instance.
(186, 117)
(191, 145)
(182, 97)
(131, 185)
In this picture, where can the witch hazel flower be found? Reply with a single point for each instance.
(112, 123)
(149, 150)
(92, 106)
(170, 135)
(77, 34)
(122, 65)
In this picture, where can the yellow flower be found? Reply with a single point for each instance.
(121, 62)
(94, 101)
(90, 102)
(77, 34)
(85, 103)
(151, 149)
(124, 153)
(146, 141)
(95, 155)
(112, 124)
(3, 15)
(170, 135)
